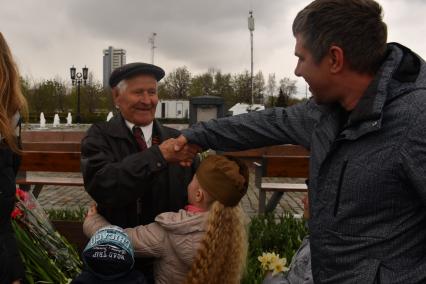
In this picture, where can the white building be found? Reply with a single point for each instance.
(240, 108)
(172, 109)
(113, 58)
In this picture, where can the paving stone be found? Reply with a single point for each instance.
(75, 197)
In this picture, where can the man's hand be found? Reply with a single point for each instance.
(174, 150)
(182, 142)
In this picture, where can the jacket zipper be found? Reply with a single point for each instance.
(339, 188)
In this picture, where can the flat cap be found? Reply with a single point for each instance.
(130, 70)
(224, 178)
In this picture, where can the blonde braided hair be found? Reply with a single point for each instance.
(222, 253)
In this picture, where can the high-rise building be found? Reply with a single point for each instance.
(113, 58)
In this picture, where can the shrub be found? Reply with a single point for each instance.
(266, 233)
(77, 214)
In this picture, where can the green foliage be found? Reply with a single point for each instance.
(176, 84)
(77, 214)
(58, 96)
(267, 234)
(39, 265)
(53, 96)
(202, 85)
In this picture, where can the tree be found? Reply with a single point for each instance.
(258, 88)
(288, 86)
(242, 87)
(271, 87)
(176, 84)
(92, 96)
(202, 85)
(282, 100)
(287, 90)
(59, 93)
(43, 97)
(223, 88)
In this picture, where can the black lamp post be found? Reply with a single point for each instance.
(78, 78)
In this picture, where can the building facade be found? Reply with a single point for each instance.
(113, 58)
(172, 109)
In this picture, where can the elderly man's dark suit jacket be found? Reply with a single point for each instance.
(118, 176)
(367, 172)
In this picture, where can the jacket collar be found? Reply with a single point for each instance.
(117, 128)
(400, 65)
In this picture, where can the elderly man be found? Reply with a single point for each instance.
(126, 162)
(366, 131)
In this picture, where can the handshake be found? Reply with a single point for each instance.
(177, 150)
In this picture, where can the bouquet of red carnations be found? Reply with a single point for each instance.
(47, 256)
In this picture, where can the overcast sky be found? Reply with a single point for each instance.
(48, 36)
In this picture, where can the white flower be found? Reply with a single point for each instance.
(272, 262)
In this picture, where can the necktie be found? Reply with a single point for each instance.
(137, 133)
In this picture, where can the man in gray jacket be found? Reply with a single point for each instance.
(366, 130)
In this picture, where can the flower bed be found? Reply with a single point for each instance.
(281, 236)
(69, 223)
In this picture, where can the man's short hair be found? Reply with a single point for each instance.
(356, 26)
(122, 86)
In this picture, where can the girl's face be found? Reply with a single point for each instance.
(194, 191)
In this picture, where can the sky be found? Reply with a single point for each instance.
(47, 37)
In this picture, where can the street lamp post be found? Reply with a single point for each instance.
(251, 29)
(78, 78)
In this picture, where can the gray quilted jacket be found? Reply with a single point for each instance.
(367, 172)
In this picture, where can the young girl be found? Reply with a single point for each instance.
(11, 102)
(206, 241)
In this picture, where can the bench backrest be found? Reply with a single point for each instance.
(52, 136)
(278, 150)
(60, 146)
(285, 166)
(50, 161)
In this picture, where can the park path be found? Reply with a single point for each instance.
(71, 197)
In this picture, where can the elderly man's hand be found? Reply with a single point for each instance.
(173, 151)
(182, 142)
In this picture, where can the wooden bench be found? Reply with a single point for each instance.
(57, 146)
(278, 150)
(39, 161)
(279, 166)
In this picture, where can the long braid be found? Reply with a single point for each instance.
(222, 252)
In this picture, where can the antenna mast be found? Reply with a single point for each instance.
(151, 40)
(251, 29)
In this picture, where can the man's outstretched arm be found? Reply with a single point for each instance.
(292, 125)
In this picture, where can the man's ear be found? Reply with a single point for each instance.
(336, 59)
(115, 94)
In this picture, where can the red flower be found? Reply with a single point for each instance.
(22, 195)
(16, 213)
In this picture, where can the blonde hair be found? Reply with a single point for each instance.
(11, 98)
(223, 250)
